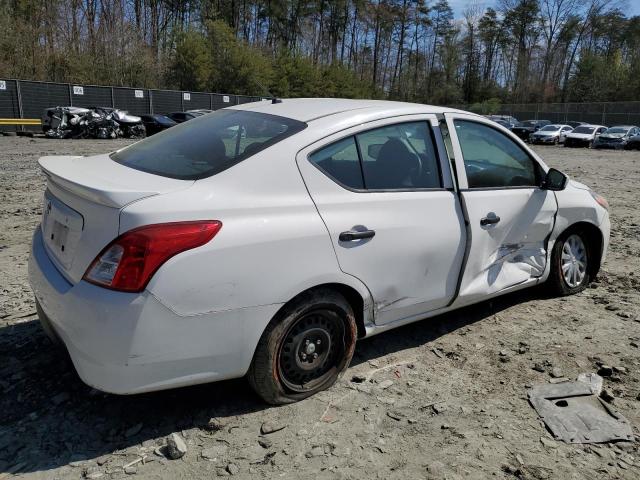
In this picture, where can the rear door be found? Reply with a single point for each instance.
(391, 212)
(510, 216)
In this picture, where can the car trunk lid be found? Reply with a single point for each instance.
(82, 206)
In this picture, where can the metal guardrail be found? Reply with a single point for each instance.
(23, 101)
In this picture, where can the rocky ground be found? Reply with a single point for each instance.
(443, 398)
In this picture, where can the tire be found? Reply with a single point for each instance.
(556, 141)
(318, 327)
(561, 281)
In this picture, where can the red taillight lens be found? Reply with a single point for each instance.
(128, 263)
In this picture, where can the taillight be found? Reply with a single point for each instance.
(128, 263)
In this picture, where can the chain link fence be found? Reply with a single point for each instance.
(22, 99)
(599, 113)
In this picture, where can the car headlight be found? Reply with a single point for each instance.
(600, 200)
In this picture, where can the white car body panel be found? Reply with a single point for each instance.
(203, 312)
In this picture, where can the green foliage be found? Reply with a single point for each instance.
(192, 66)
(488, 107)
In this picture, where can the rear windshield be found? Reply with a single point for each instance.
(208, 144)
(583, 129)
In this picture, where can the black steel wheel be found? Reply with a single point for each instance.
(305, 348)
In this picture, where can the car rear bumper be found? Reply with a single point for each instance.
(131, 343)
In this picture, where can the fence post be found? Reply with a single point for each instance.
(182, 101)
(19, 95)
(70, 95)
(210, 101)
(604, 113)
(150, 102)
(113, 102)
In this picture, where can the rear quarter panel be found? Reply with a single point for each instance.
(272, 245)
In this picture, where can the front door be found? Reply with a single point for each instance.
(392, 222)
(510, 217)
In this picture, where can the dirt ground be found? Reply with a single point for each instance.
(443, 399)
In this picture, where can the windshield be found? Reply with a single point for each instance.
(208, 144)
(550, 128)
(583, 129)
(617, 130)
(528, 123)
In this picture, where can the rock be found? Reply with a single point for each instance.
(176, 447)
(233, 469)
(624, 315)
(214, 425)
(131, 470)
(214, 453)
(386, 384)
(612, 308)
(271, 427)
(556, 372)
(634, 344)
(558, 380)
(445, 426)
(622, 370)
(102, 460)
(538, 367)
(503, 353)
(548, 442)
(439, 407)
(395, 415)
(60, 398)
(221, 472)
(133, 430)
(265, 442)
(358, 379)
(607, 396)
(605, 371)
(93, 473)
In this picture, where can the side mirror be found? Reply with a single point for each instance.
(554, 180)
(374, 150)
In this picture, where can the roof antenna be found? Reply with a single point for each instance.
(274, 99)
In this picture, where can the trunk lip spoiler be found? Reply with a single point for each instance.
(107, 194)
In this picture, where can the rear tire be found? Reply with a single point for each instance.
(570, 264)
(305, 348)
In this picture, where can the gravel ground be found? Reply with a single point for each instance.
(443, 398)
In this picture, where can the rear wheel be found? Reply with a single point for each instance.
(305, 348)
(570, 267)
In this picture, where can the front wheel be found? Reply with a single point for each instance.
(570, 264)
(305, 348)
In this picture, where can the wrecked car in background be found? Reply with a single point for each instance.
(93, 122)
(265, 239)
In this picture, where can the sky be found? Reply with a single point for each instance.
(630, 7)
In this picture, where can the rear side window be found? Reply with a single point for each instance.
(208, 144)
(394, 157)
(341, 162)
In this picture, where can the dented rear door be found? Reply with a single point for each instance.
(510, 217)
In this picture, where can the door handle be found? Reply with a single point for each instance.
(351, 235)
(489, 220)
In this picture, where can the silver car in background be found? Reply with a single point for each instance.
(551, 134)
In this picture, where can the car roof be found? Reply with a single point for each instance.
(309, 109)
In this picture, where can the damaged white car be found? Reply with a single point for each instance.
(265, 239)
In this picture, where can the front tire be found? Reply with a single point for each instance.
(570, 264)
(305, 348)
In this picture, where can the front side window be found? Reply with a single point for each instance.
(395, 157)
(399, 156)
(493, 160)
(208, 144)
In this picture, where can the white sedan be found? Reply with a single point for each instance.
(265, 239)
(551, 134)
(584, 135)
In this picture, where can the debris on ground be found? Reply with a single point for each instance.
(574, 412)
